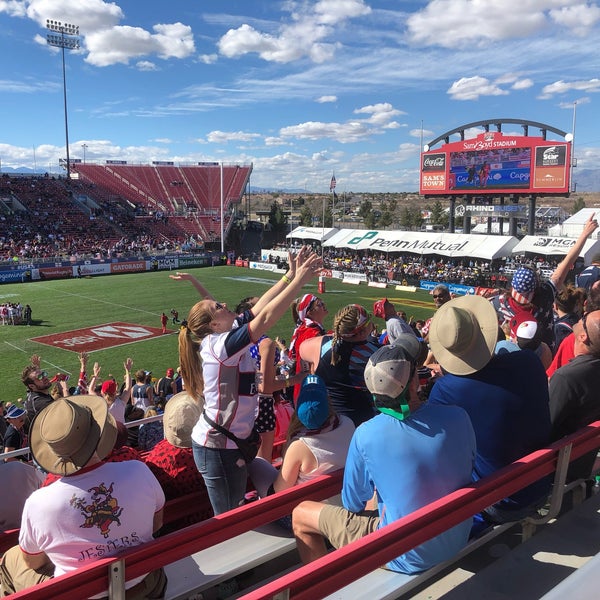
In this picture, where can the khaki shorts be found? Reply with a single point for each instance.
(341, 527)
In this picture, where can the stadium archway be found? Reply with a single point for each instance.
(491, 171)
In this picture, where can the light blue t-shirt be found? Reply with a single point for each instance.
(412, 463)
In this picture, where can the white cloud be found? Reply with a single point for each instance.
(222, 137)
(208, 59)
(471, 88)
(456, 23)
(324, 99)
(146, 65)
(562, 87)
(304, 37)
(579, 18)
(121, 44)
(417, 133)
(569, 105)
(522, 84)
(380, 118)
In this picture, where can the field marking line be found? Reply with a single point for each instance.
(44, 361)
(91, 298)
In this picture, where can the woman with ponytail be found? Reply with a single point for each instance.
(340, 359)
(218, 370)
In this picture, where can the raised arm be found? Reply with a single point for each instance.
(94, 380)
(195, 282)
(561, 272)
(128, 365)
(283, 282)
(308, 266)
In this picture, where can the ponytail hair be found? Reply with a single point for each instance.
(193, 330)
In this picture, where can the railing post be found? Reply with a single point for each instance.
(116, 580)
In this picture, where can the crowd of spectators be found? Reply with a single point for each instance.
(43, 218)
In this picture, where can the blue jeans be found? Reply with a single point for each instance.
(225, 476)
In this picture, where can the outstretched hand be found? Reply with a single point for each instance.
(590, 225)
(308, 264)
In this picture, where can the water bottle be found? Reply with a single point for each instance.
(596, 486)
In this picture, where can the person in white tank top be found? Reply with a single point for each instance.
(317, 442)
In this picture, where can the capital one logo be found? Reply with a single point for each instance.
(369, 235)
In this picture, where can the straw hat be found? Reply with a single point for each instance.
(463, 334)
(181, 414)
(65, 435)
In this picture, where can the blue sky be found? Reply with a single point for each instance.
(300, 89)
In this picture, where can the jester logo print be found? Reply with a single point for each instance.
(101, 511)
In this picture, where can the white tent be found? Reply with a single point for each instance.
(420, 242)
(556, 246)
(573, 226)
(312, 233)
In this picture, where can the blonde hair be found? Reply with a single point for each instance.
(344, 323)
(191, 334)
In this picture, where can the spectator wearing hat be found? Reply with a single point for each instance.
(574, 389)
(15, 437)
(530, 296)
(506, 396)
(119, 452)
(431, 455)
(317, 442)
(340, 360)
(116, 402)
(103, 508)
(308, 314)
(172, 459)
(166, 386)
(394, 323)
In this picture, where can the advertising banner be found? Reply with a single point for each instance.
(16, 276)
(134, 266)
(194, 261)
(56, 272)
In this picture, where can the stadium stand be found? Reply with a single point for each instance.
(182, 550)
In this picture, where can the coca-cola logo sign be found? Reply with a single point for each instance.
(434, 162)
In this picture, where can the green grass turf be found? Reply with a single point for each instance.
(64, 305)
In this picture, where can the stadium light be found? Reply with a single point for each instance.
(66, 36)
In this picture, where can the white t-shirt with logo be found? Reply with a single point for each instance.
(98, 512)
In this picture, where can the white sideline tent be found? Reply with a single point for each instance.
(319, 234)
(556, 246)
(419, 242)
(573, 226)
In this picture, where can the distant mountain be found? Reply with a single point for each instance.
(586, 180)
(263, 190)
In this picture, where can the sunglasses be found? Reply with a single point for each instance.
(219, 306)
(584, 325)
(43, 374)
(436, 296)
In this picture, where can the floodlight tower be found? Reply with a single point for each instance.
(66, 36)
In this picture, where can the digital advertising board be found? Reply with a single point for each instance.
(492, 163)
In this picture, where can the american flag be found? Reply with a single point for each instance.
(332, 183)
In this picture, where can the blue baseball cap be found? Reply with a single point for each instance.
(312, 405)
